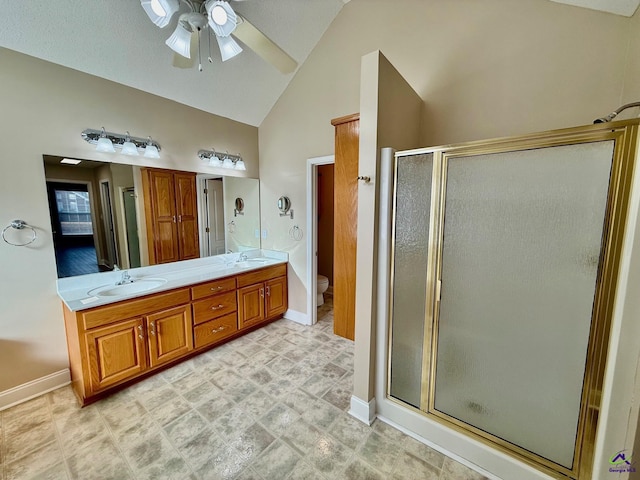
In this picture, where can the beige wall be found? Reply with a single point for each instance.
(44, 109)
(484, 69)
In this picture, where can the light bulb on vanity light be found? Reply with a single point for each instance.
(227, 163)
(240, 165)
(104, 143)
(150, 150)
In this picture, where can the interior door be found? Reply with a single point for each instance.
(131, 223)
(345, 224)
(187, 213)
(215, 240)
(162, 209)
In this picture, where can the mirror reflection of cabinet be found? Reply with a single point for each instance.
(171, 215)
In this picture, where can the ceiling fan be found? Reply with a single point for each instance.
(217, 18)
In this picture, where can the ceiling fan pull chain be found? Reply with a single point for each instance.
(199, 56)
(209, 37)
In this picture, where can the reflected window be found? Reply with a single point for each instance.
(74, 212)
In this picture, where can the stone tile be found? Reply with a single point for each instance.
(134, 432)
(38, 461)
(189, 382)
(257, 404)
(304, 471)
(173, 468)
(301, 436)
(186, 427)
(388, 431)
(22, 442)
(317, 385)
(101, 460)
(277, 461)
(452, 470)
(240, 391)
(249, 474)
(329, 456)
(170, 411)
(295, 354)
(299, 400)
(349, 431)
(339, 396)
(299, 374)
(197, 451)
(321, 414)
(344, 360)
(63, 402)
(155, 451)
(380, 452)
(359, 470)
(252, 441)
(279, 418)
(332, 372)
(223, 464)
(118, 416)
(279, 388)
(231, 421)
(409, 467)
(177, 372)
(233, 358)
(26, 416)
(422, 451)
(57, 472)
(162, 396)
(150, 384)
(215, 408)
(225, 379)
(262, 376)
(202, 393)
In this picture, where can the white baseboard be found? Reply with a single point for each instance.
(33, 389)
(298, 317)
(363, 411)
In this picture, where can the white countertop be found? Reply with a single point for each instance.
(96, 289)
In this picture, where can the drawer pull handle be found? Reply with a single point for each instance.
(153, 328)
(262, 293)
(215, 289)
(218, 307)
(268, 291)
(140, 337)
(216, 330)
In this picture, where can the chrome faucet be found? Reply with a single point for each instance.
(242, 258)
(125, 278)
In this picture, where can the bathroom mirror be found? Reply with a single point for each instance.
(284, 204)
(97, 215)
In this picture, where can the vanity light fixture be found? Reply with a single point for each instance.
(231, 162)
(128, 145)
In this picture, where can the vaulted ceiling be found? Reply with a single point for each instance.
(114, 39)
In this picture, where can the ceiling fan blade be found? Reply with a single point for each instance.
(264, 47)
(183, 62)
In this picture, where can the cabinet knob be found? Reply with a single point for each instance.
(140, 336)
(140, 327)
(217, 307)
(216, 330)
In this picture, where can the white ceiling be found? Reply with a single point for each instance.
(114, 39)
(620, 7)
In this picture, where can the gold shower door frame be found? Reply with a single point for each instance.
(625, 137)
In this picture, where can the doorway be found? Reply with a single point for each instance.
(71, 206)
(108, 225)
(212, 224)
(313, 165)
(131, 227)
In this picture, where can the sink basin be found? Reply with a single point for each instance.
(137, 286)
(250, 262)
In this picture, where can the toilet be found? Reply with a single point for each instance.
(323, 284)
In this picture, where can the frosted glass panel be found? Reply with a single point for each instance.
(413, 204)
(522, 240)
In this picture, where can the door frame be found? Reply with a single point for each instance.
(312, 238)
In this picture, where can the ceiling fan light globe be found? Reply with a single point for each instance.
(222, 19)
(229, 48)
(160, 11)
(180, 41)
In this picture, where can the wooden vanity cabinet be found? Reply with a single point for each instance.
(262, 295)
(112, 345)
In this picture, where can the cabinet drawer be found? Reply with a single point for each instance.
(212, 288)
(214, 307)
(129, 308)
(214, 330)
(262, 275)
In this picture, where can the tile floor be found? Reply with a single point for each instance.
(271, 405)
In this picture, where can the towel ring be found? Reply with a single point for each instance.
(19, 225)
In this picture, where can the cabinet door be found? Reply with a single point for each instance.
(276, 297)
(187, 211)
(170, 334)
(160, 208)
(251, 305)
(116, 353)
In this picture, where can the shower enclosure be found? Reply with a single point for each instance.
(505, 257)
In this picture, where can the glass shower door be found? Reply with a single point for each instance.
(521, 243)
